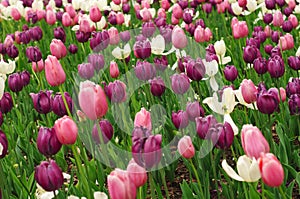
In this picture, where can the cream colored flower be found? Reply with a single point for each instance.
(211, 69)
(119, 53)
(220, 49)
(158, 45)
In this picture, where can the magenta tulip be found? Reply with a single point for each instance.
(66, 130)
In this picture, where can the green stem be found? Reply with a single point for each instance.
(197, 177)
(152, 185)
(215, 174)
(262, 190)
(64, 100)
(282, 192)
(162, 174)
(245, 190)
(141, 192)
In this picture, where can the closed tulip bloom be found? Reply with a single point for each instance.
(120, 186)
(50, 17)
(70, 10)
(106, 130)
(95, 14)
(271, 170)
(277, 18)
(38, 67)
(267, 102)
(116, 91)
(58, 105)
(194, 110)
(92, 100)
(85, 70)
(186, 148)
(240, 30)
(55, 74)
(253, 141)
(66, 20)
(293, 87)
(275, 66)
(73, 49)
(15, 14)
(148, 29)
(195, 69)
(180, 119)
(144, 70)
(34, 54)
(157, 86)
(222, 135)
(114, 69)
(114, 37)
(25, 77)
(230, 73)
(49, 175)
(203, 124)
(249, 91)
(294, 62)
(293, 19)
(260, 65)
(250, 54)
(143, 119)
(42, 101)
(6, 102)
(15, 82)
(137, 174)
(142, 49)
(286, 42)
(47, 141)
(59, 33)
(177, 11)
(3, 144)
(294, 104)
(268, 18)
(179, 39)
(66, 130)
(180, 83)
(12, 51)
(58, 48)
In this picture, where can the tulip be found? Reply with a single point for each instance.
(161, 63)
(85, 70)
(148, 29)
(59, 107)
(106, 130)
(180, 83)
(177, 11)
(50, 17)
(66, 130)
(12, 51)
(147, 151)
(253, 141)
(95, 14)
(70, 10)
(55, 74)
(114, 37)
(267, 102)
(179, 39)
(114, 69)
(293, 87)
(180, 119)
(194, 110)
(92, 100)
(97, 61)
(142, 49)
(293, 19)
(230, 73)
(157, 86)
(195, 69)
(268, 18)
(275, 66)
(3, 144)
(144, 70)
(73, 49)
(186, 148)
(137, 174)
(120, 186)
(221, 135)
(203, 124)
(143, 119)
(6, 103)
(66, 20)
(294, 104)
(58, 48)
(49, 175)
(286, 42)
(249, 91)
(250, 54)
(271, 170)
(42, 101)
(116, 91)
(59, 33)
(38, 67)
(287, 26)
(294, 62)
(1, 118)
(47, 141)
(25, 76)
(248, 169)
(125, 36)
(15, 82)
(260, 65)
(15, 14)
(240, 30)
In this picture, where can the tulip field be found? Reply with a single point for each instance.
(160, 99)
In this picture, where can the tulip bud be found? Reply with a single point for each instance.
(268, 18)
(92, 100)
(180, 119)
(142, 49)
(49, 175)
(144, 70)
(195, 69)
(249, 91)
(194, 110)
(148, 29)
(230, 73)
(137, 174)
(177, 11)
(250, 54)
(33, 54)
(180, 83)
(97, 61)
(186, 148)
(278, 18)
(73, 49)
(15, 82)
(294, 62)
(116, 91)
(42, 101)
(25, 77)
(3, 144)
(38, 67)
(58, 48)
(271, 170)
(47, 141)
(294, 104)
(66, 20)
(253, 141)
(50, 17)
(59, 33)
(55, 74)
(179, 39)
(287, 26)
(157, 86)
(293, 87)
(95, 14)
(260, 65)
(203, 124)
(12, 51)
(222, 135)
(275, 66)
(66, 130)
(161, 63)
(114, 69)
(59, 107)
(106, 130)
(86, 70)
(6, 103)
(267, 102)
(143, 119)
(125, 36)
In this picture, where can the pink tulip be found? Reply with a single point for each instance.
(271, 170)
(9, 41)
(58, 48)
(179, 39)
(66, 20)
(137, 174)
(293, 19)
(253, 141)
(234, 21)
(15, 14)
(55, 74)
(165, 4)
(174, 20)
(120, 186)
(143, 118)
(161, 13)
(92, 100)
(120, 18)
(66, 130)
(282, 94)
(268, 31)
(277, 18)
(199, 34)
(114, 37)
(114, 69)
(28, 12)
(84, 25)
(186, 147)
(248, 90)
(286, 42)
(50, 17)
(177, 11)
(146, 14)
(41, 14)
(240, 30)
(117, 2)
(38, 67)
(70, 10)
(292, 4)
(95, 14)
(145, 4)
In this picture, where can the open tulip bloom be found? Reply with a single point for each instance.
(5, 68)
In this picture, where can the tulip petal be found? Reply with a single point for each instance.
(228, 100)
(158, 45)
(214, 104)
(227, 118)
(213, 83)
(230, 172)
(226, 60)
(254, 171)
(100, 195)
(243, 167)
(2, 84)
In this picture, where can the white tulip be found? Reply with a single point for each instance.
(211, 69)
(237, 10)
(121, 53)
(158, 45)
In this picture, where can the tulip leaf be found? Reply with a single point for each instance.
(186, 190)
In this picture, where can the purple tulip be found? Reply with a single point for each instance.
(59, 33)
(33, 54)
(260, 65)
(194, 110)
(157, 86)
(116, 91)
(195, 69)
(148, 29)
(58, 105)
(294, 104)
(6, 103)
(86, 70)
(4, 144)
(275, 66)
(180, 119)
(230, 73)
(293, 87)
(294, 62)
(180, 83)
(97, 61)
(47, 141)
(42, 101)
(142, 49)
(106, 130)
(15, 82)
(203, 124)
(73, 49)
(144, 70)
